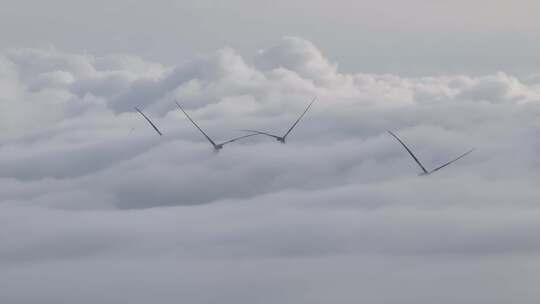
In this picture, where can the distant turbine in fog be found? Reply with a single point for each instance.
(217, 147)
(426, 172)
(148, 119)
(282, 138)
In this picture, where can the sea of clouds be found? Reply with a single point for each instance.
(96, 208)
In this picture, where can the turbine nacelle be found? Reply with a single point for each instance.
(424, 170)
(281, 139)
(217, 147)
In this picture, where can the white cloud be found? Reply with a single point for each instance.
(105, 210)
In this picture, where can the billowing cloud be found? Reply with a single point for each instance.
(96, 208)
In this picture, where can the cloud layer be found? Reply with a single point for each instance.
(96, 208)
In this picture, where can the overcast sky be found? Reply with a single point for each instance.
(413, 37)
(95, 207)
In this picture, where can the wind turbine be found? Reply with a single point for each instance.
(424, 171)
(219, 146)
(281, 139)
(149, 121)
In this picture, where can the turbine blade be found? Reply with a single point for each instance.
(298, 120)
(410, 152)
(148, 119)
(260, 132)
(237, 138)
(195, 124)
(448, 163)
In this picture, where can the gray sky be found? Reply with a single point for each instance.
(96, 208)
(415, 37)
